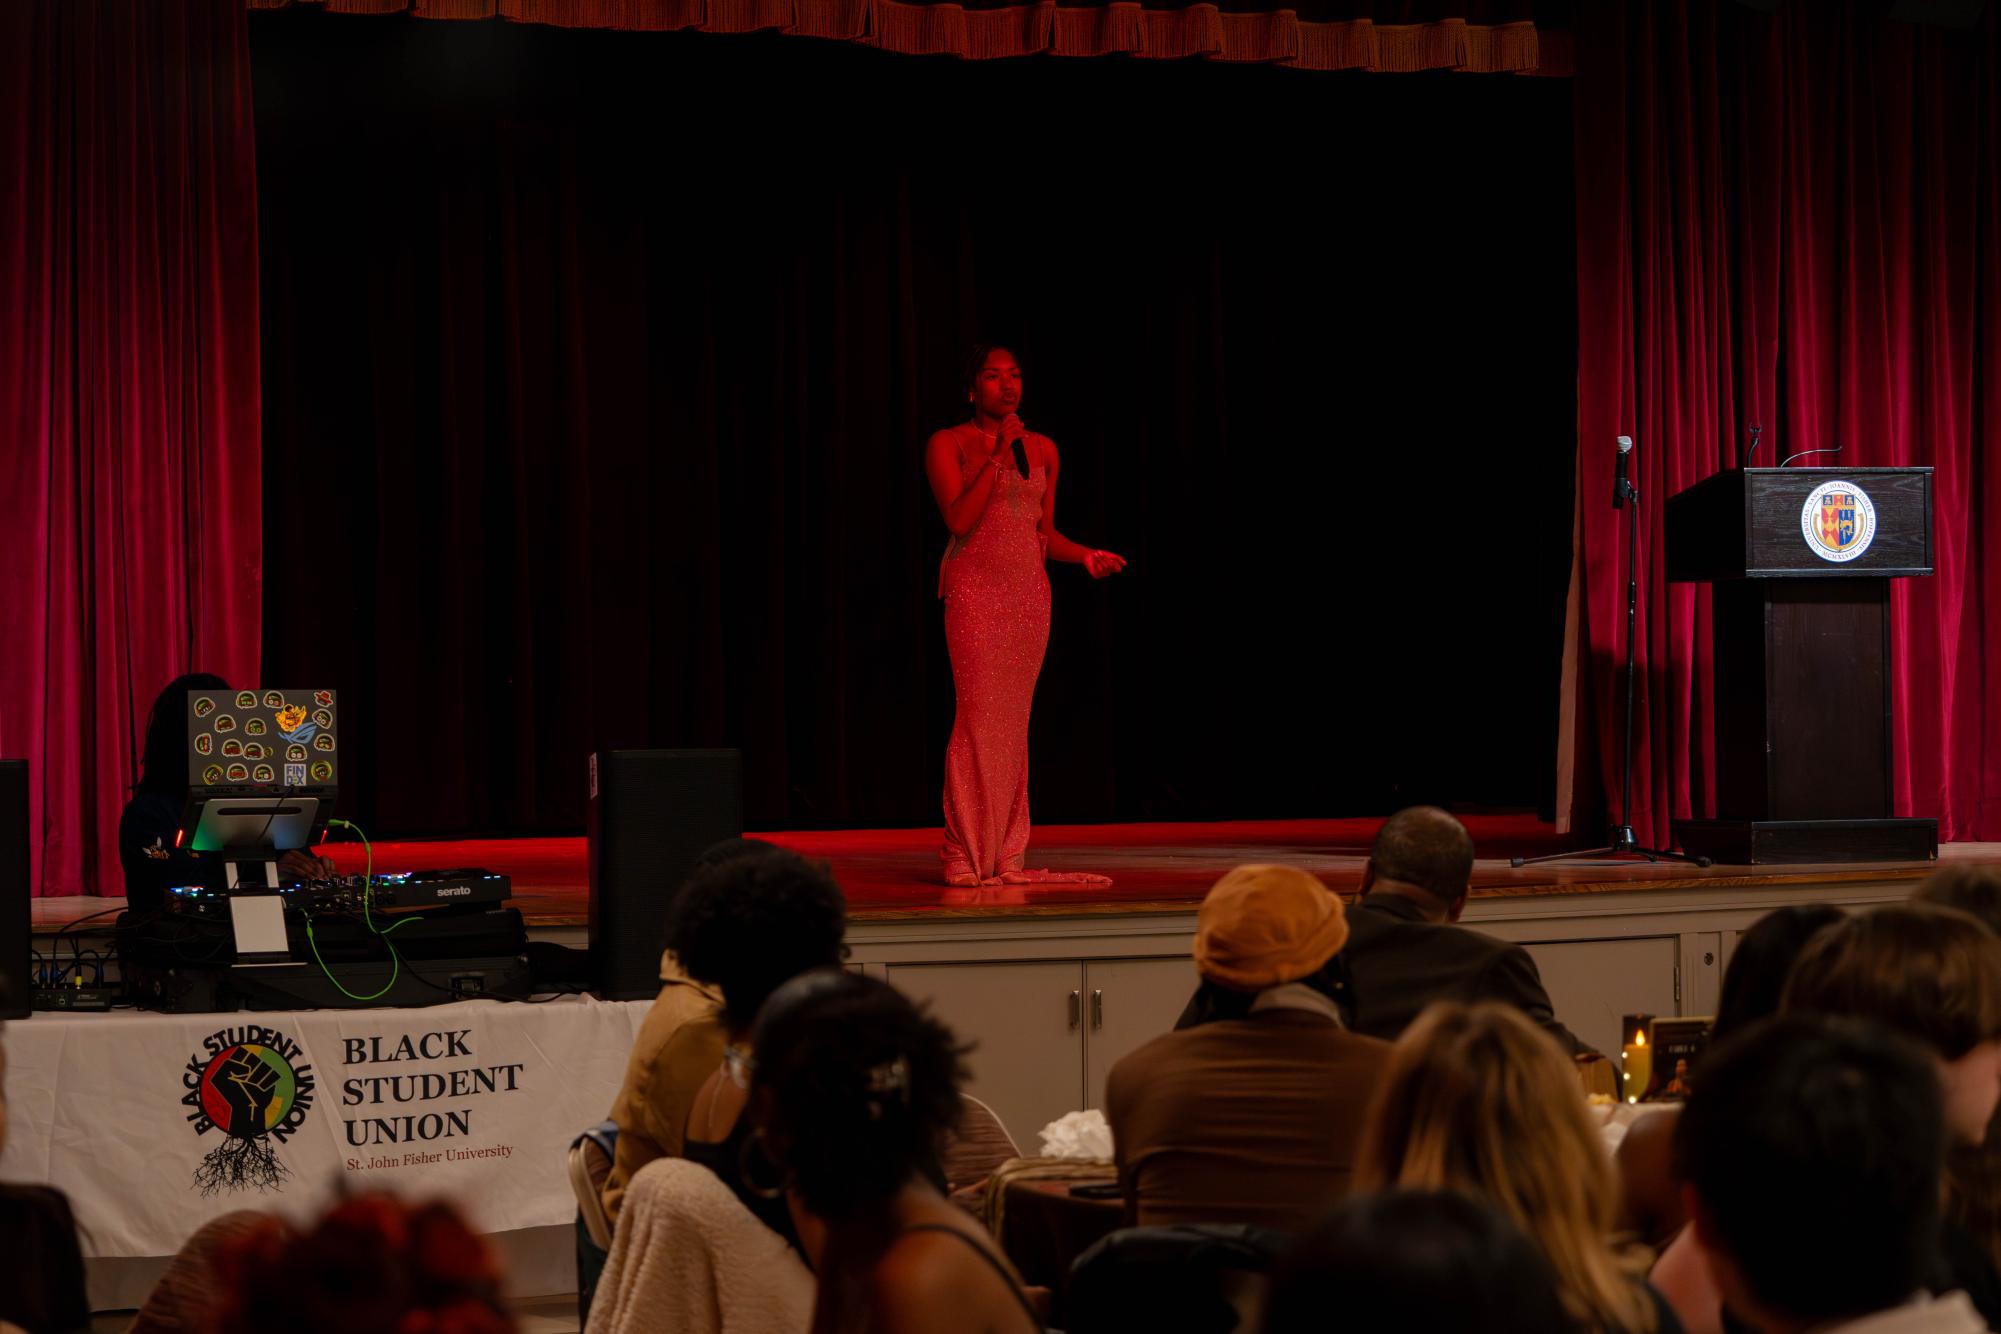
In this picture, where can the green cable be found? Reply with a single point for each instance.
(368, 882)
(367, 893)
(395, 969)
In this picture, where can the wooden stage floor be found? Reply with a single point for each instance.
(890, 874)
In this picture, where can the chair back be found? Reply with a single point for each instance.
(1194, 1278)
(977, 1148)
(590, 1165)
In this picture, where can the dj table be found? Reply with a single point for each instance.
(153, 1124)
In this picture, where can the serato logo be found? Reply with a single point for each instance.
(248, 1083)
(1838, 521)
(454, 891)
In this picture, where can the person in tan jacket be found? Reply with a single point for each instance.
(679, 1045)
(1254, 1119)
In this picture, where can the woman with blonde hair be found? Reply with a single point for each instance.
(1478, 1100)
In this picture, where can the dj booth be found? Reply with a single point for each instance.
(238, 913)
(300, 1034)
(155, 1123)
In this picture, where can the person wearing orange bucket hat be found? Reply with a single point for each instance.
(1256, 1118)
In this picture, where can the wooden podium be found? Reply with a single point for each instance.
(1801, 560)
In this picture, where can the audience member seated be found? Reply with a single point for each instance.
(1405, 1260)
(41, 1266)
(688, 1258)
(1933, 976)
(370, 1263)
(1751, 988)
(1812, 1150)
(1479, 1100)
(185, 1299)
(747, 927)
(1404, 947)
(674, 1053)
(1971, 888)
(1253, 1119)
(1973, 1171)
(853, 1090)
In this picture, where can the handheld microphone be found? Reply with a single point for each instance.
(1621, 488)
(1021, 458)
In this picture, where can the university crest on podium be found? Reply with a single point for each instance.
(1838, 521)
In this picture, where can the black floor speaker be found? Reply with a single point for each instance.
(652, 812)
(14, 915)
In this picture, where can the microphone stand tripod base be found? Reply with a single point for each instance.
(1624, 844)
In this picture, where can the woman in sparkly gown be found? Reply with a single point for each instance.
(996, 596)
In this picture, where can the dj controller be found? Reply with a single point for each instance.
(411, 939)
(357, 895)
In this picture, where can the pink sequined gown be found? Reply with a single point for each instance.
(996, 595)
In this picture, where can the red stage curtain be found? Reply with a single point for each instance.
(130, 501)
(1399, 36)
(1789, 218)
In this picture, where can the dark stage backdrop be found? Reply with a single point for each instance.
(598, 367)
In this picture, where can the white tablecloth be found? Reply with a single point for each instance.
(154, 1124)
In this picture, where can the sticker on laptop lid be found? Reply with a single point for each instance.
(239, 773)
(225, 722)
(204, 707)
(322, 771)
(246, 699)
(262, 774)
(212, 775)
(295, 752)
(323, 717)
(295, 775)
(323, 698)
(204, 743)
(324, 741)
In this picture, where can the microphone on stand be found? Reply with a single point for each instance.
(1622, 489)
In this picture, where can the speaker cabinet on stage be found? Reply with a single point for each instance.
(14, 915)
(1800, 562)
(652, 812)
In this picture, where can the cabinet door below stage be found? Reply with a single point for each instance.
(1595, 983)
(1129, 1002)
(1027, 1023)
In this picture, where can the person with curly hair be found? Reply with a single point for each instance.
(853, 1091)
(746, 927)
(369, 1263)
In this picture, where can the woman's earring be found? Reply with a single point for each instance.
(755, 1141)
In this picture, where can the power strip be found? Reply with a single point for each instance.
(75, 998)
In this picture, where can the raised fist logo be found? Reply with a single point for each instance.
(255, 1096)
(246, 1090)
(248, 1086)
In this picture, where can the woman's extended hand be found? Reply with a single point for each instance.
(1102, 563)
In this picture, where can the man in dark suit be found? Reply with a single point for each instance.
(1404, 949)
